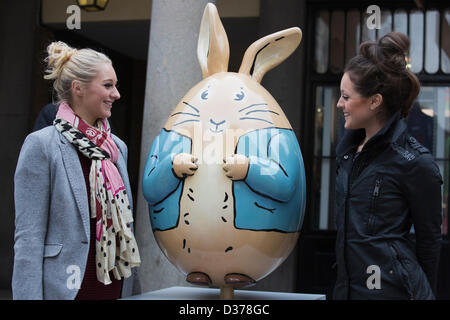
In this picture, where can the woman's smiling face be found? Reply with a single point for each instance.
(99, 95)
(355, 107)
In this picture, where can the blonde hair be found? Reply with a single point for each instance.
(66, 64)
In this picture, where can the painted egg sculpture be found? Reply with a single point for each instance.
(225, 179)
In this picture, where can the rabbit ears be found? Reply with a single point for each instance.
(268, 52)
(213, 50)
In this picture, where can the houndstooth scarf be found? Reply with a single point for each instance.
(116, 247)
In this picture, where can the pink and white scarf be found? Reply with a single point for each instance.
(116, 247)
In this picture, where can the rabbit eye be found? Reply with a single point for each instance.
(239, 96)
(204, 95)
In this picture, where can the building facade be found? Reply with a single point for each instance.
(153, 47)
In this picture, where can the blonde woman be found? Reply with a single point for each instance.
(73, 237)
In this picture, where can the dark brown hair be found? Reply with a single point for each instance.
(380, 67)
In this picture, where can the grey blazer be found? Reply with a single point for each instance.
(52, 231)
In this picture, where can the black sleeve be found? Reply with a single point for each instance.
(425, 203)
(45, 117)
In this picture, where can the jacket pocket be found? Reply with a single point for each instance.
(371, 220)
(402, 272)
(52, 250)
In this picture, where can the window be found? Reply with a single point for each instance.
(322, 35)
(328, 131)
(416, 43)
(432, 41)
(337, 35)
(445, 42)
(337, 41)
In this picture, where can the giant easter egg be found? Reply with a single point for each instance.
(225, 178)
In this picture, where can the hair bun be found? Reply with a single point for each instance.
(388, 53)
(395, 45)
(58, 54)
(368, 50)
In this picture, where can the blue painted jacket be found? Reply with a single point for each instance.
(271, 197)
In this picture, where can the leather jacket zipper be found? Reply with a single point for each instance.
(376, 190)
(375, 194)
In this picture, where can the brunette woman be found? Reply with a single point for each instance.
(386, 182)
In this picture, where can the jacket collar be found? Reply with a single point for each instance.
(390, 132)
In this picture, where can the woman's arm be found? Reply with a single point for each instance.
(32, 198)
(425, 203)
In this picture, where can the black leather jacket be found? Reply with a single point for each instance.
(392, 184)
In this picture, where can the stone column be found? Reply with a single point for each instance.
(285, 83)
(172, 69)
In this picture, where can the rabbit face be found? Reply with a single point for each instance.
(226, 103)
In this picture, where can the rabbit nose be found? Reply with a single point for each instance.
(216, 123)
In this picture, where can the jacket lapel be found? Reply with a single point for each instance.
(76, 180)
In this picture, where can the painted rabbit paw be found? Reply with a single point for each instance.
(184, 164)
(236, 166)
